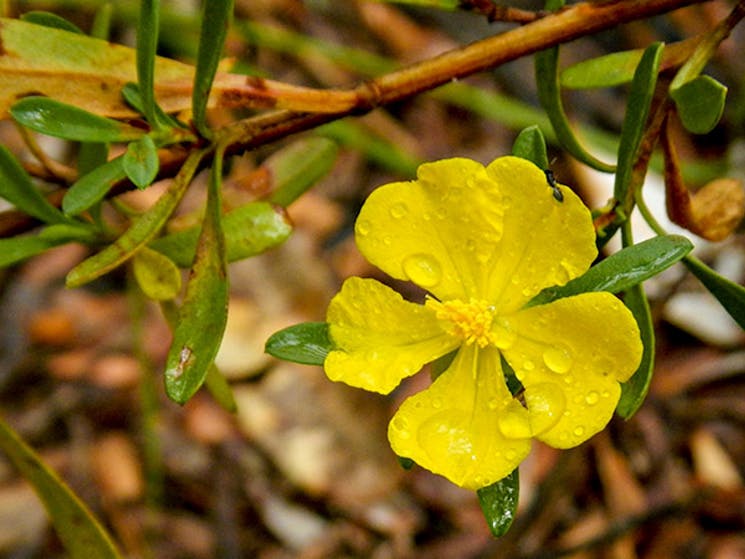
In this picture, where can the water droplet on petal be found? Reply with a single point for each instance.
(557, 359)
(446, 437)
(400, 425)
(437, 403)
(503, 338)
(399, 210)
(592, 398)
(423, 269)
(493, 403)
(579, 431)
(546, 404)
(514, 425)
(363, 227)
(528, 365)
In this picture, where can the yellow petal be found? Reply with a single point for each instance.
(380, 338)
(570, 356)
(466, 426)
(435, 231)
(545, 242)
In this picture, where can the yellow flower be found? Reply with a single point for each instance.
(482, 241)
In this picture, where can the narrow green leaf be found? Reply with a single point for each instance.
(730, 294)
(68, 232)
(700, 103)
(54, 118)
(140, 162)
(547, 80)
(634, 390)
(147, 45)
(216, 18)
(79, 531)
(530, 144)
(17, 188)
(156, 274)
(204, 313)
(101, 26)
(632, 130)
(296, 168)
(91, 155)
(603, 71)
(249, 230)
(133, 97)
(307, 343)
(499, 503)
(220, 389)
(624, 269)
(17, 249)
(48, 19)
(144, 228)
(92, 187)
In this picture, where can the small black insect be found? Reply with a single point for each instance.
(551, 180)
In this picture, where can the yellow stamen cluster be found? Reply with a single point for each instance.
(469, 321)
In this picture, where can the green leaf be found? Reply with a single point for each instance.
(48, 19)
(91, 155)
(531, 145)
(299, 166)
(549, 94)
(54, 118)
(730, 294)
(131, 94)
(140, 162)
(204, 313)
(92, 187)
(632, 130)
(17, 249)
(17, 188)
(307, 343)
(700, 103)
(156, 274)
(67, 232)
(499, 503)
(216, 17)
(249, 230)
(622, 270)
(147, 44)
(603, 71)
(634, 390)
(220, 389)
(79, 531)
(142, 230)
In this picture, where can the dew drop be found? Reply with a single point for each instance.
(398, 211)
(401, 427)
(579, 431)
(528, 365)
(592, 398)
(503, 338)
(514, 425)
(363, 227)
(423, 269)
(558, 360)
(493, 403)
(387, 240)
(511, 454)
(437, 403)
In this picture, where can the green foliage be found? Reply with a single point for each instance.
(623, 269)
(549, 93)
(61, 120)
(603, 71)
(307, 343)
(140, 162)
(499, 502)
(700, 103)
(81, 534)
(204, 312)
(93, 186)
(17, 188)
(216, 18)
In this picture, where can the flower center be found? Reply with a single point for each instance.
(469, 321)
